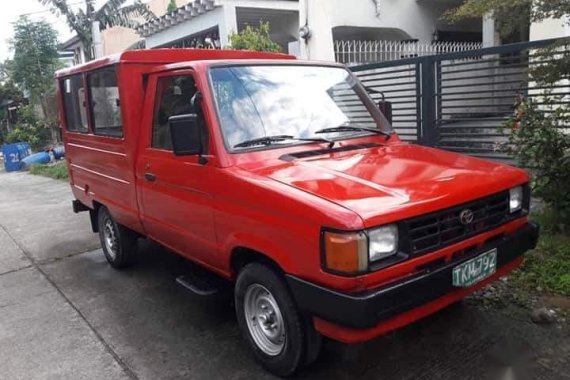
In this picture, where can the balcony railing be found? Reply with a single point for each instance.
(359, 52)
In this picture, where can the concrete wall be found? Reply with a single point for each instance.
(395, 19)
(205, 21)
(549, 28)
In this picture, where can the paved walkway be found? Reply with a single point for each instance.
(65, 314)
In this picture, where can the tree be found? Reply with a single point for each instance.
(257, 39)
(35, 59)
(512, 16)
(111, 14)
(538, 9)
(9, 91)
(171, 6)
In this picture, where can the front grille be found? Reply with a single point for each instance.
(442, 228)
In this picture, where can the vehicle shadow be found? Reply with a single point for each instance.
(164, 331)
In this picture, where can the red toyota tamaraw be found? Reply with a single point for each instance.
(285, 177)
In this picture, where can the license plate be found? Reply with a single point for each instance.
(475, 270)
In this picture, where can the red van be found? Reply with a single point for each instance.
(285, 178)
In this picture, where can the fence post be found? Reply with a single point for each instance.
(428, 132)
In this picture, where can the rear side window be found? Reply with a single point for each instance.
(105, 103)
(74, 103)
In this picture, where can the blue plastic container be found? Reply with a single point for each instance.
(40, 158)
(59, 152)
(14, 154)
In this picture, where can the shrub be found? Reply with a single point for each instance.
(257, 39)
(539, 141)
(29, 129)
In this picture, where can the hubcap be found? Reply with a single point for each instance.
(264, 320)
(110, 239)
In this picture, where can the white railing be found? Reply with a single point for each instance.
(358, 52)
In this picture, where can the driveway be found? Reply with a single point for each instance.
(65, 314)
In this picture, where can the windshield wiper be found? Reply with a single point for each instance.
(268, 140)
(348, 128)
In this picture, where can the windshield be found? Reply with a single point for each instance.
(254, 102)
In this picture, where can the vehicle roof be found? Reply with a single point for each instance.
(166, 56)
(232, 62)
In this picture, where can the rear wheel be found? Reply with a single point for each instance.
(279, 337)
(118, 242)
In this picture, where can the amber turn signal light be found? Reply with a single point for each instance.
(345, 252)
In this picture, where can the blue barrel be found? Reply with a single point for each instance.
(40, 158)
(14, 154)
(59, 152)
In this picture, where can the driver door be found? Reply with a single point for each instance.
(175, 192)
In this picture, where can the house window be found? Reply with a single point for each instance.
(105, 103)
(74, 103)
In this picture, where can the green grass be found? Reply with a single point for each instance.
(548, 266)
(55, 171)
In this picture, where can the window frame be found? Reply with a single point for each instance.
(91, 113)
(86, 106)
(232, 151)
(158, 78)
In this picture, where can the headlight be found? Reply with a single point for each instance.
(383, 242)
(515, 199)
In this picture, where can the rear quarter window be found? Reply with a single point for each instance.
(74, 103)
(105, 102)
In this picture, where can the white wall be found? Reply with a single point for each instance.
(404, 19)
(205, 21)
(549, 28)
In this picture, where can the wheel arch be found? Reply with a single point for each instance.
(242, 255)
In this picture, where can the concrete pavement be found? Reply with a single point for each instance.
(65, 314)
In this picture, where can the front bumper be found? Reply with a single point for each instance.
(369, 308)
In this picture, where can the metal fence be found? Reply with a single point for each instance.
(459, 101)
(358, 52)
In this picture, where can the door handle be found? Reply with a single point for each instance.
(150, 177)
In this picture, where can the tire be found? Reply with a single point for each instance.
(119, 243)
(283, 340)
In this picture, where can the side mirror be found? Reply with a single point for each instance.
(186, 134)
(386, 108)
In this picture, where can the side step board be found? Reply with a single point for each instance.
(200, 285)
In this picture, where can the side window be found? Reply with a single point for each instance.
(173, 97)
(105, 103)
(74, 103)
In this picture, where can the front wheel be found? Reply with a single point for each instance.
(275, 332)
(118, 242)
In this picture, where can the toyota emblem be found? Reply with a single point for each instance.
(466, 217)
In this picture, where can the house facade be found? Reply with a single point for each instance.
(311, 28)
(326, 22)
(209, 23)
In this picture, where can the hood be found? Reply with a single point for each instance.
(386, 183)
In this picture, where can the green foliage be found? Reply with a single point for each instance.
(557, 66)
(55, 171)
(111, 13)
(9, 91)
(171, 6)
(512, 17)
(35, 57)
(257, 39)
(537, 141)
(537, 10)
(548, 266)
(29, 129)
